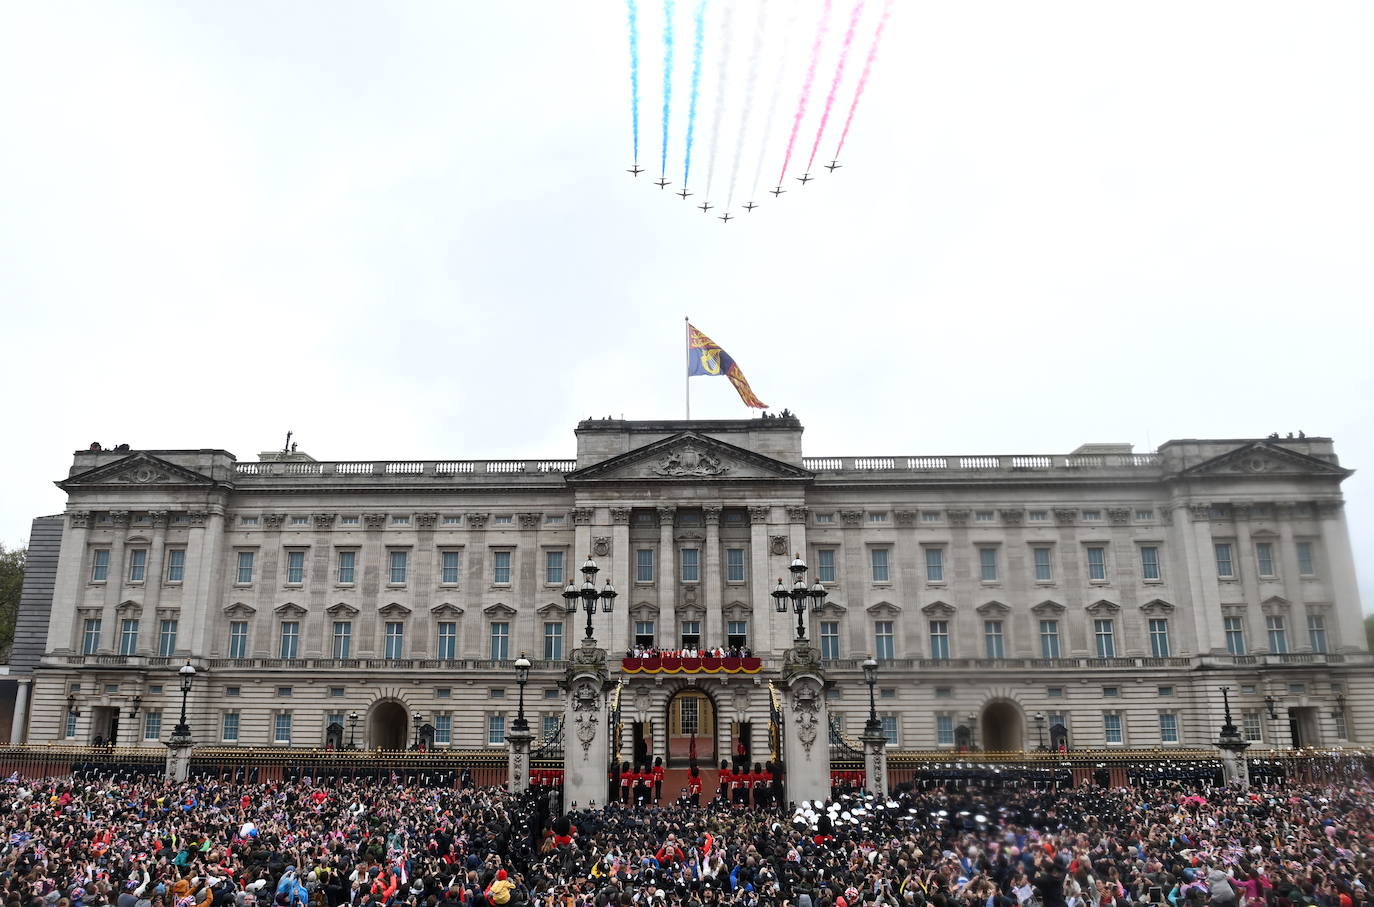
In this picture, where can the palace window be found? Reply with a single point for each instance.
(396, 567)
(448, 640)
(1278, 633)
(691, 634)
(343, 639)
(395, 640)
(734, 565)
(128, 636)
(1306, 564)
(939, 640)
(1049, 639)
(644, 633)
(1104, 636)
(992, 639)
(281, 728)
(152, 725)
(167, 637)
(229, 727)
(737, 633)
(644, 565)
(1111, 727)
(987, 565)
(90, 635)
(1097, 564)
(1044, 567)
(1168, 727)
(295, 568)
(348, 561)
(138, 564)
(944, 730)
(1316, 632)
(1159, 637)
(825, 565)
(553, 640)
(830, 639)
(443, 730)
(1149, 563)
(691, 565)
(290, 639)
(1225, 566)
(244, 575)
(496, 730)
(878, 562)
(553, 568)
(1235, 634)
(500, 640)
(883, 640)
(1264, 559)
(500, 568)
(935, 565)
(451, 567)
(176, 564)
(100, 565)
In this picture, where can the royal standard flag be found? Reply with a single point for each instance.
(705, 357)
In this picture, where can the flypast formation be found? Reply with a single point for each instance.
(740, 118)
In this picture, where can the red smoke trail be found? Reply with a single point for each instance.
(806, 88)
(835, 85)
(863, 79)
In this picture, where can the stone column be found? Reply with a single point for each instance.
(114, 580)
(1233, 746)
(806, 724)
(179, 751)
(518, 762)
(875, 760)
(21, 710)
(586, 730)
(73, 573)
(153, 575)
(622, 559)
(667, 578)
(1192, 523)
(1343, 589)
(712, 633)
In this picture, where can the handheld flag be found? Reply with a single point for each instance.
(705, 357)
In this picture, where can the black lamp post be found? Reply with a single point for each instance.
(417, 719)
(874, 726)
(588, 594)
(522, 676)
(187, 673)
(799, 595)
(1040, 728)
(352, 726)
(1271, 705)
(1229, 731)
(134, 708)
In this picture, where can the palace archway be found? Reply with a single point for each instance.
(1003, 727)
(691, 725)
(387, 725)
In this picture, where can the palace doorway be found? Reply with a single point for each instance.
(1003, 728)
(691, 727)
(386, 726)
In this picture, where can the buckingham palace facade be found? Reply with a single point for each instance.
(1095, 599)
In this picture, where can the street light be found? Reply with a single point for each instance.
(134, 708)
(522, 676)
(588, 594)
(874, 727)
(1228, 729)
(1040, 728)
(352, 726)
(187, 673)
(417, 720)
(1271, 705)
(799, 594)
(973, 730)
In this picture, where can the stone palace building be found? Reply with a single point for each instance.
(1096, 599)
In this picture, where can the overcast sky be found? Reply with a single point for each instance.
(405, 230)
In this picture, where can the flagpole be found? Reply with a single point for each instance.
(687, 373)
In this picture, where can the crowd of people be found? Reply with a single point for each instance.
(690, 652)
(112, 842)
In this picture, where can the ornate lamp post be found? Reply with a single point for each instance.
(417, 719)
(187, 674)
(1271, 706)
(1232, 746)
(972, 719)
(1040, 728)
(587, 593)
(799, 594)
(352, 727)
(522, 676)
(870, 667)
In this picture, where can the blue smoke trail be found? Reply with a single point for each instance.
(667, 80)
(698, 40)
(634, 73)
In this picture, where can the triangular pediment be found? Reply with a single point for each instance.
(690, 456)
(135, 470)
(552, 610)
(883, 609)
(1047, 608)
(938, 610)
(993, 609)
(1263, 458)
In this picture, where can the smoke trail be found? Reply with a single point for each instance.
(698, 40)
(667, 80)
(863, 79)
(755, 52)
(773, 97)
(835, 85)
(720, 96)
(634, 73)
(806, 88)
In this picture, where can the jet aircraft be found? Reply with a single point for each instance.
(726, 217)
(805, 178)
(833, 166)
(705, 206)
(662, 182)
(778, 191)
(636, 170)
(750, 206)
(684, 193)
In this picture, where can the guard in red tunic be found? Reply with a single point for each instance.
(658, 774)
(627, 780)
(723, 792)
(694, 785)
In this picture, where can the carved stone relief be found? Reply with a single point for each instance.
(476, 520)
(324, 520)
(530, 520)
(688, 460)
(601, 546)
(273, 520)
(777, 544)
(582, 516)
(374, 520)
(620, 516)
(426, 520)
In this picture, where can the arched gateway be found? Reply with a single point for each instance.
(387, 726)
(1003, 727)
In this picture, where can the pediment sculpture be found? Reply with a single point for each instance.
(690, 461)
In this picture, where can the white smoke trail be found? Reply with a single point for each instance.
(770, 115)
(720, 94)
(755, 53)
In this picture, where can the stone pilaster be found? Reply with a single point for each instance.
(667, 578)
(875, 761)
(586, 728)
(806, 724)
(518, 761)
(713, 632)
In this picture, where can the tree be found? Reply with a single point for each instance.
(11, 584)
